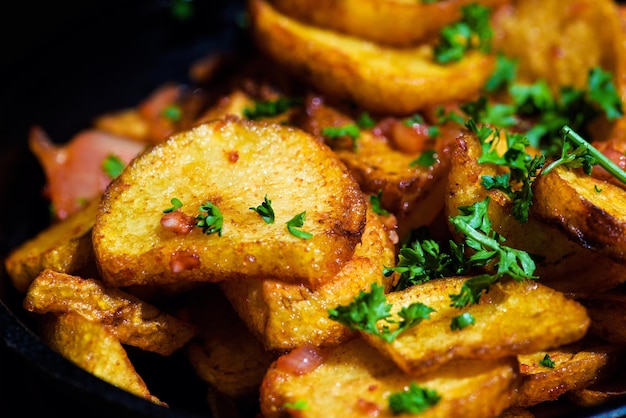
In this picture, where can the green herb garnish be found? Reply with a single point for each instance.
(375, 201)
(427, 158)
(270, 108)
(297, 222)
(368, 308)
(461, 321)
(546, 361)
(413, 400)
(176, 204)
(473, 31)
(211, 219)
(112, 166)
(265, 210)
(299, 405)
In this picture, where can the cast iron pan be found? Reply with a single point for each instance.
(64, 63)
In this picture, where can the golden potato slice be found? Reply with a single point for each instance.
(380, 79)
(601, 274)
(284, 316)
(225, 354)
(608, 315)
(95, 349)
(127, 123)
(560, 40)
(354, 380)
(554, 253)
(392, 22)
(575, 367)
(506, 323)
(64, 246)
(590, 211)
(129, 319)
(601, 392)
(233, 165)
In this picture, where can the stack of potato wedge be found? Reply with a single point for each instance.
(330, 180)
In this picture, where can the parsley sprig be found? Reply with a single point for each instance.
(368, 308)
(113, 166)
(265, 211)
(473, 222)
(473, 31)
(269, 108)
(298, 222)
(210, 219)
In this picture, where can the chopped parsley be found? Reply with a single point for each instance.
(297, 222)
(176, 204)
(472, 32)
(427, 158)
(375, 201)
(368, 308)
(413, 400)
(546, 361)
(211, 219)
(265, 210)
(461, 321)
(350, 130)
(173, 113)
(112, 166)
(270, 108)
(299, 405)
(365, 121)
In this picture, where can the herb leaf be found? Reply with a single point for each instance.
(546, 361)
(211, 219)
(112, 166)
(473, 31)
(413, 400)
(265, 210)
(375, 201)
(176, 204)
(297, 222)
(367, 308)
(270, 108)
(461, 321)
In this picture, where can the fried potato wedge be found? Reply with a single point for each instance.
(608, 315)
(95, 349)
(575, 367)
(554, 253)
(64, 246)
(284, 316)
(560, 41)
(354, 380)
(377, 78)
(505, 324)
(590, 211)
(599, 392)
(127, 123)
(234, 165)
(225, 354)
(129, 319)
(391, 22)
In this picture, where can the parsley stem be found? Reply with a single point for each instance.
(603, 160)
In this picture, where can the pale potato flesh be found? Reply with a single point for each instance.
(233, 164)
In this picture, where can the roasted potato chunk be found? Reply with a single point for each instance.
(354, 380)
(64, 247)
(225, 354)
(284, 316)
(379, 79)
(575, 367)
(560, 41)
(234, 165)
(391, 22)
(596, 209)
(129, 319)
(505, 324)
(608, 315)
(95, 349)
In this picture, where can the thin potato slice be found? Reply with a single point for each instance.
(225, 354)
(95, 349)
(233, 165)
(129, 319)
(590, 211)
(608, 315)
(559, 40)
(599, 393)
(574, 368)
(392, 22)
(354, 380)
(64, 247)
(377, 78)
(284, 316)
(513, 318)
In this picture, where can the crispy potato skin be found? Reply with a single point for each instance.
(93, 348)
(129, 319)
(233, 164)
(513, 318)
(390, 22)
(569, 199)
(575, 367)
(355, 380)
(64, 247)
(608, 314)
(284, 316)
(379, 79)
